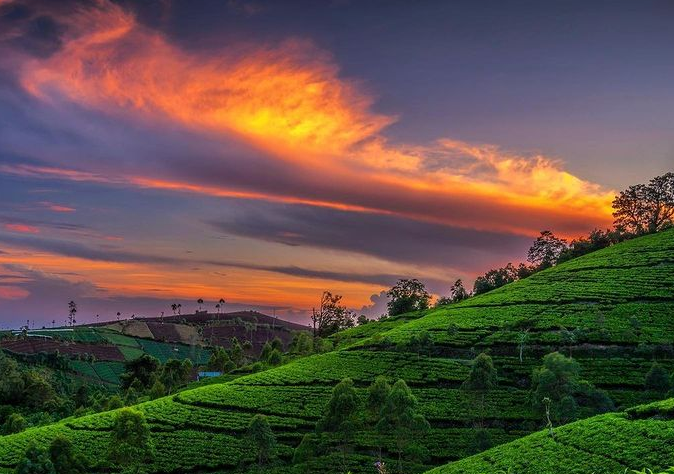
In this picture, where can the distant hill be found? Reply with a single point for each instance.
(612, 310)
(637, 439)
(213, 329)
(97, 352)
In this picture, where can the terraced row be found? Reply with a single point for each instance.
(605, 444)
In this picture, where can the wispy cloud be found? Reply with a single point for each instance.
(56, 207)
(21, 228)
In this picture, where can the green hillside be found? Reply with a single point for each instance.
(611, 310)
(639, 438)
(97, 355)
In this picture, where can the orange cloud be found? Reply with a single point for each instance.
(23, 228)
(56, 207)
(286, 96)
(12, 293)
(141, 280)
(290, 101)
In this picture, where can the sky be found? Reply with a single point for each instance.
(265, 151)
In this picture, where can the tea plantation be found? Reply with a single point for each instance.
(610, 310)
(638, 438)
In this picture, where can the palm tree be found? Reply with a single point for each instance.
(200, 301)
(180, 307)
(118, 315)
(220, 306)
(174, 307)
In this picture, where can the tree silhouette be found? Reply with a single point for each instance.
(262, 438)
(200, 302)
(130, 443)
(331, 316)
(645, 208)
(399, 417)
(546, 250)
(406, 296)
(481, 379)
(341, 416)
(72, 311)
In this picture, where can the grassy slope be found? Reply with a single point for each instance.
(621, 297)
(641, 437)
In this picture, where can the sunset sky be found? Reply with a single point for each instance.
(264, 151)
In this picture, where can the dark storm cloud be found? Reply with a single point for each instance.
(29, 26)
(78, 250)
(349, 277)
(387, 237)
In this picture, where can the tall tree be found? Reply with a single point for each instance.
(200, 302)
(522, 338)
(406, 296)
(341, 416)
(558, 381)
(236, 352)
(218, 360)
(456, 293)
(481, 379)
(546, 250)
(302, 343)
(498, 277)
(377, 395)
(130, 443)
(72, 311)
(400, 418)
(331, 316)
(645, 208)
(175, 373)
(262, 438)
